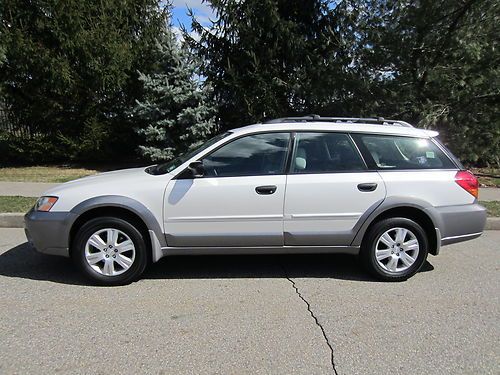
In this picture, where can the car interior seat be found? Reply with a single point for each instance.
(300, 159)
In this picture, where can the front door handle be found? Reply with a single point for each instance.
(265, 190)
(371, 186)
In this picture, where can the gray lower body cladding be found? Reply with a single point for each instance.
(460, 223)
(48, 232)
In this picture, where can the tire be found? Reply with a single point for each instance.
(110, 251)
(397, 260)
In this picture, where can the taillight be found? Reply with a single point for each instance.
(468, 181)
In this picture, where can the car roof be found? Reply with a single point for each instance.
(358, 127)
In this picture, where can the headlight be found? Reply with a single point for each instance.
(45, 203)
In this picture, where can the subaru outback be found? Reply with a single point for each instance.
(377, 188)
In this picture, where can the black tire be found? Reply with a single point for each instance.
(367, 253)
(88, 229)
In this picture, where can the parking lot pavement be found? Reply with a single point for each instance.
(258, 315)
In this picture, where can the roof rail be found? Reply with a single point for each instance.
(353, 120)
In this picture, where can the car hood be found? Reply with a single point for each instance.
(134, 183)
(114, 177)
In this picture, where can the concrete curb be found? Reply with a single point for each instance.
(493, 223)
(16, 220)
(11, 220)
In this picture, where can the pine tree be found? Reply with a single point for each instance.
(68, 71)
(174, 113)
(268, 58)
(432, 63)
(435, 64)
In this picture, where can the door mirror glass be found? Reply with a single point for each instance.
(196, 168)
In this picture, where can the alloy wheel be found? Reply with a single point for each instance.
(110, 252)
(396, 250)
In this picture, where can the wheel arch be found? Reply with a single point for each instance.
(117, 206)
(416, 210)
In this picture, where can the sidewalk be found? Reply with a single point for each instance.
(35, 189)
(24, 189)
(489, 194)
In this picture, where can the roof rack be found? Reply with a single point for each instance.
(317, 118)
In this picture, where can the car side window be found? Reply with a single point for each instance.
(325, 153)
(396, 152)
(252, 155)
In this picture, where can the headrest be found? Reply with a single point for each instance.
(301, 159)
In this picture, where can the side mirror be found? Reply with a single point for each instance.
(196, 168)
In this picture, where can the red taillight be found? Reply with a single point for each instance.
(468, 181)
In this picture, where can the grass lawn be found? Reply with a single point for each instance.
(489, 181)
(493, 208)
(488, 176)
(16, 204)
(43, 174)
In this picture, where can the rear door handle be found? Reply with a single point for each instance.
(265, 190)
(370, 186)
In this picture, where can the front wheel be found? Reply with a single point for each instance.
(394, 249)
(110, 251)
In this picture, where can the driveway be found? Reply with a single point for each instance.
(252, 315)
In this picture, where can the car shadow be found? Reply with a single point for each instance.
(23, 261)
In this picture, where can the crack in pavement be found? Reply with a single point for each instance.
(332, 359)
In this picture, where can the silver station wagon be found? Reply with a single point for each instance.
(379, 188)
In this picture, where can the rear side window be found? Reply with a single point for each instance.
(325, 153)
(393, 152)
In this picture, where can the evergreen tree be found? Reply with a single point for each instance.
(174, 112)
(268, 58)
(69, 72)
(435, 64)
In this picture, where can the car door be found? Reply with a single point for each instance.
(329, 191)
(239, 199)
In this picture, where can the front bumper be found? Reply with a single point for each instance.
(48, 232)
(461, 223)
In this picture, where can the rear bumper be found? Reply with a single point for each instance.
(48, 232)
(460, 223)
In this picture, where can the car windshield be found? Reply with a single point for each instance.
(174, 163)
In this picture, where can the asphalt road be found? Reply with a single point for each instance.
(252, 315)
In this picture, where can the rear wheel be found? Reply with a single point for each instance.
(394, 249)
(110, 251)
